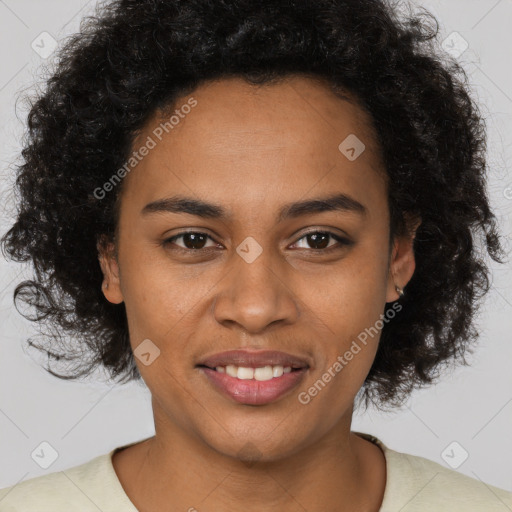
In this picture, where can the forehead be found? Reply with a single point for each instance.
(282, 138)
(234, 108)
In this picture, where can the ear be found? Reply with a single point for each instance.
(111, 286)
(402, 262)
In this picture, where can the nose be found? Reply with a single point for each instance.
(257, 294)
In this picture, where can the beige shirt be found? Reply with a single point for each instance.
(414, 484)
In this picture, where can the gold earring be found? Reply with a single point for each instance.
(399, 290)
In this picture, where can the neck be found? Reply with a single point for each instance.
(178, 468)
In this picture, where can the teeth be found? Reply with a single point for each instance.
(231, 370)
(263, 373)
(245, 373)
(277, 371)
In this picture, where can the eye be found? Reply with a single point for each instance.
(192, 240)
(320, 241)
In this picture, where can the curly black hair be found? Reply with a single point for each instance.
(134, 57)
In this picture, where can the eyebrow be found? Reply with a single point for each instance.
(199, 208)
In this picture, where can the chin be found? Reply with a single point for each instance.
(251, 447)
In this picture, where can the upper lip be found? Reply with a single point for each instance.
(254, 359)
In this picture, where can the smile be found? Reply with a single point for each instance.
(262, 373)
(246, 388)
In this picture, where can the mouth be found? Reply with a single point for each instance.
(254, 378)
(247, 359)
(260, 373)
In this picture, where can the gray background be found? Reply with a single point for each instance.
(472, 407)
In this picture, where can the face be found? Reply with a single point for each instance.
(251, 271)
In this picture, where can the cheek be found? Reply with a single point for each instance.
(350, 296)
(348, 305)
(348, 349)
(159, 293)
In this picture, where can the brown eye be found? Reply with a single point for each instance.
(319, 240)
(192, 241)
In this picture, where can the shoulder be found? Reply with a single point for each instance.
(88, 487)
(417, 484)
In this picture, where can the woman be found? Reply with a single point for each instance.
(267, 211)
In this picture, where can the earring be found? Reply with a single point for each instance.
(399, 290)
(105, 285)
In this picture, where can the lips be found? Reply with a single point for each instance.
(275, 374)
(254, 359)
(253, 392)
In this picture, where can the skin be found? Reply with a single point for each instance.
(252, 150)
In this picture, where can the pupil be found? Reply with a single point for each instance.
(194, 238)
(316, 236)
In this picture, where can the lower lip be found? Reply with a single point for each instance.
(251, 391)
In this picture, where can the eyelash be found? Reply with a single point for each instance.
(341, 240)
